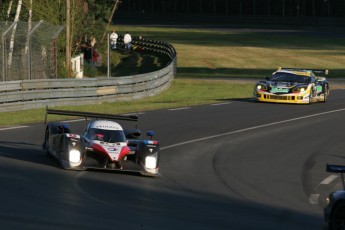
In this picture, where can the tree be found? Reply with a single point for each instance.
(80, 21)
(29, 27)
(68, 37)
(9, 10)
(16, 19)
(116, 4)
(68, 13)
(54, 12)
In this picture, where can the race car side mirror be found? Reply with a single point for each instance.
(136, 133)
(150, 134)
(63, 128)
(60, 129)
(133, 134)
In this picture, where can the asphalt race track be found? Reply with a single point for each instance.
(233, 165)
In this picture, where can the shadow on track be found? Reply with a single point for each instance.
(24, 152)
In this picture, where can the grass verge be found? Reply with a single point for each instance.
(183, 92)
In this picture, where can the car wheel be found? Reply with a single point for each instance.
(46, 143)
(338, 217)
(310, 97)
(63, 152)
(325, 93)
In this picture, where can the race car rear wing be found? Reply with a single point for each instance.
(315, 71)
(337, 169)
(91, 115)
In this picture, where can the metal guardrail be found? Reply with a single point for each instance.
(31, 94)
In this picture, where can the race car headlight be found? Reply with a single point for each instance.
(327, 200)
(151, 162)
(261, 87)
(74, 156)
(299, 89)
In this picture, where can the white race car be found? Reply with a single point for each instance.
(104, 145)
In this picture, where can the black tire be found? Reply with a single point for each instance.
(46, 143)
(310, 97)
(337, 219)
(63, 151)
(325, 93)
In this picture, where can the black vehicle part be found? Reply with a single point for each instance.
(337, 219)
(53, 128)
(325, 92)
(69, 142)
(148, 148)
(337, 169)
(91, 115)
(133, 134)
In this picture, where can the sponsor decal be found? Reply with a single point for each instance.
(72, 135)
(114, 154)
(282, 84)
(150, 142)
(279, 90)
(319, 88)
(106, 127)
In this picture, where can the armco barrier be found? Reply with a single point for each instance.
(22, 95)
(31, 94)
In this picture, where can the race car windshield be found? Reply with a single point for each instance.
(110, 136)
(289, 77)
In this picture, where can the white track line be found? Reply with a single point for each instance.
(179, 108)
(329, 179)
(223, 103)
(132, 114)
(314, 197)
(16, 127)
(251, 128)
(70, 121)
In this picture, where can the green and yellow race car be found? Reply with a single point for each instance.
(292, 85)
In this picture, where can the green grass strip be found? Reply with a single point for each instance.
(178, 95)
